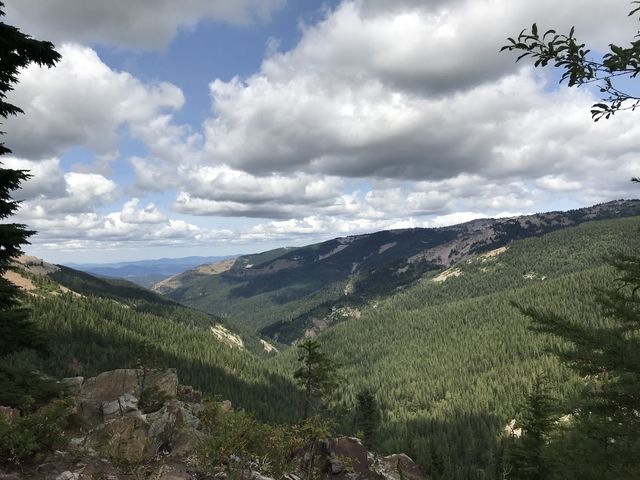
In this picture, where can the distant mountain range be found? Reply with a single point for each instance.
(144, 272)
(290, 292)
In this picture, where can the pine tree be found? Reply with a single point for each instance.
(17, 51)
(529, 457)
(317, 376)
(367, 416)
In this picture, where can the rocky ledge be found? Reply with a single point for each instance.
(140, 423)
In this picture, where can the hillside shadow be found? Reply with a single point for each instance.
(88, 352)
(466, 446)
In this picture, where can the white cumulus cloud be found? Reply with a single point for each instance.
(137, 24)
(82, 102)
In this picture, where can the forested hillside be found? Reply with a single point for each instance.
(49, 279)
(90, 335)
(92, 325)
(451, 361)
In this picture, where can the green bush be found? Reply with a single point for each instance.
(32, 435)
(237, 442)
(26, 389)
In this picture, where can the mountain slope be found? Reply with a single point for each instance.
(286, 292)
(452, 360)
(45, 278)
(448, 356)
(96, 324)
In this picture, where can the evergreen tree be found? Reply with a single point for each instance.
(367, 416)
(607, 355)
(317, 376)
(17, 51)
(530, 460)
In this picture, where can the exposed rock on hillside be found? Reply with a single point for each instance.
(25, 266)
(130, 415)
(225, 335)
(346, 458)
(36, 265)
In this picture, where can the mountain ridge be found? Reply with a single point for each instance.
(290, 282)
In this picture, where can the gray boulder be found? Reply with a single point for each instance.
(123, 405)
(162, 382)
(174, 427)
(346, 458)
(399, 467)
(117, 392)
(11, 414)
(107, 387)
(125, 439)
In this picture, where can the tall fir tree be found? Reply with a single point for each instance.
(17, 51)
(530, 459)
(317, 376)
(607, 356)
(367, 416)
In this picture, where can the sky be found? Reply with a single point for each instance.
(219, 127)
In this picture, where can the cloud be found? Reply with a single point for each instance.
(140, 24)
(47, 178)
(558, 184)
(50, 191)
(411, 92)
(311, 227)
(318, 228)
(513, 128)
(127, 228)
(484, 22)
(148, 214)
(82, 102)
(384, 115)
(220, 190)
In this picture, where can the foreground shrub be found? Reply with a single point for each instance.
(237, 442)
(25, 389)
(30, 436)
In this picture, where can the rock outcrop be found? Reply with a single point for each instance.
(119, 391)
(143, 424)
(114, 404)
(130, 417)
(346, 458)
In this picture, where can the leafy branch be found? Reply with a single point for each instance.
(566, 52)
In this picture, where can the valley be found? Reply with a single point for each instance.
(449, 356)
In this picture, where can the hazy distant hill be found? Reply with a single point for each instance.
(144, 272)
(288, 292)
